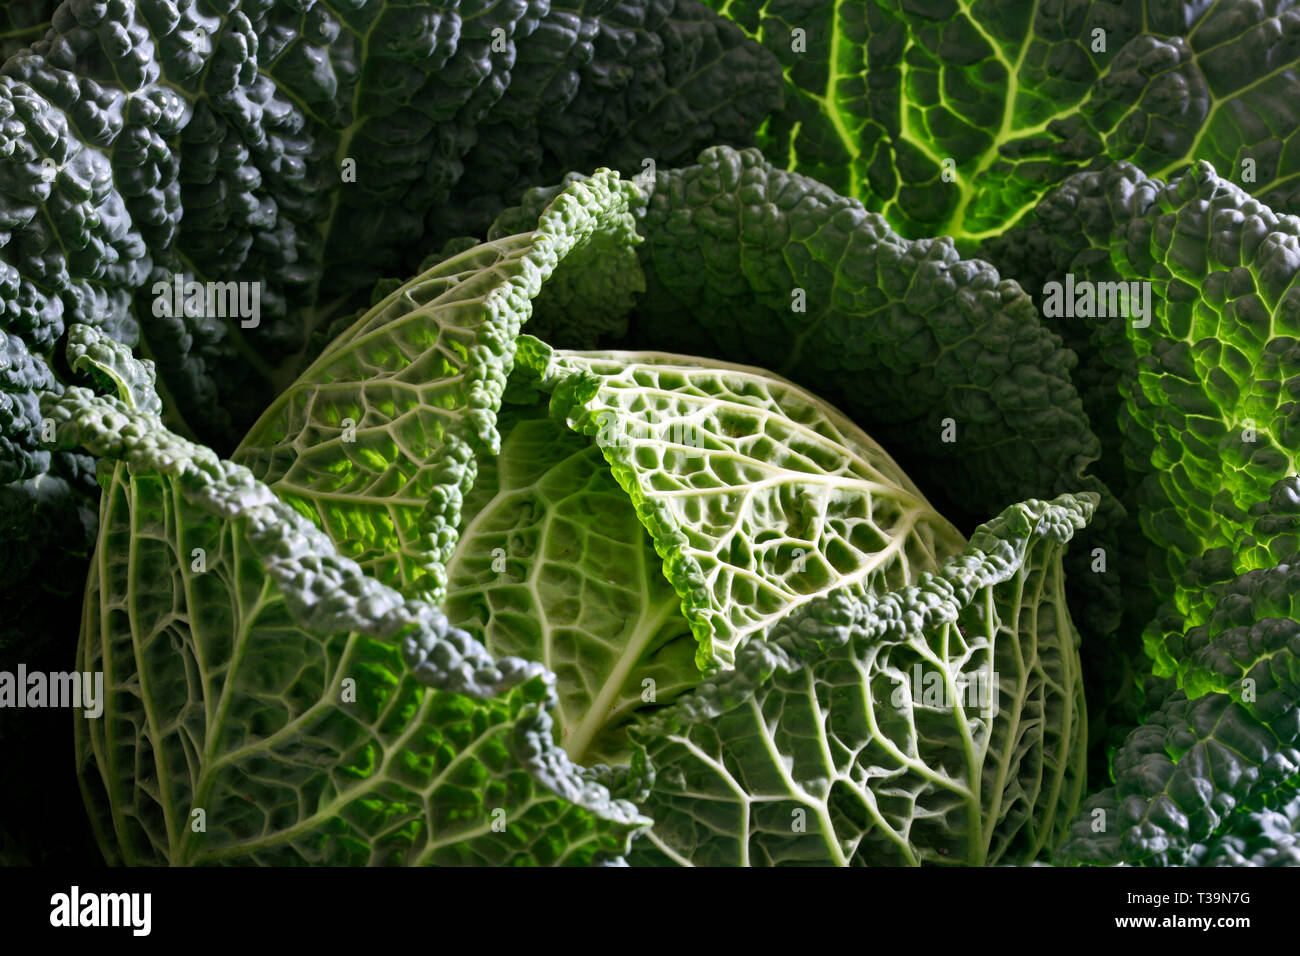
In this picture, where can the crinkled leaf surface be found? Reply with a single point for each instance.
(690, 503)
(267, 702)
(1199, 776)
(759, 496)
(734, 490)
(942, 360)
(376, 441)
(1207, 395)
(313, 147)
(302, 149)
(954, 118)
(744, 261)
(1269, 837)
(865, 730)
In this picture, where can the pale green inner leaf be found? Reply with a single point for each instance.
(779, 497)
(555, 567)
(682, 510)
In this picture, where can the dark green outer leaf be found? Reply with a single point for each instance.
(1192, 782)
(1014, 97)
(22, 22)
(1207, 396)
(311, 148)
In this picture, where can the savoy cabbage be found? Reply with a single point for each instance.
(611, 535)
(566, 494)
